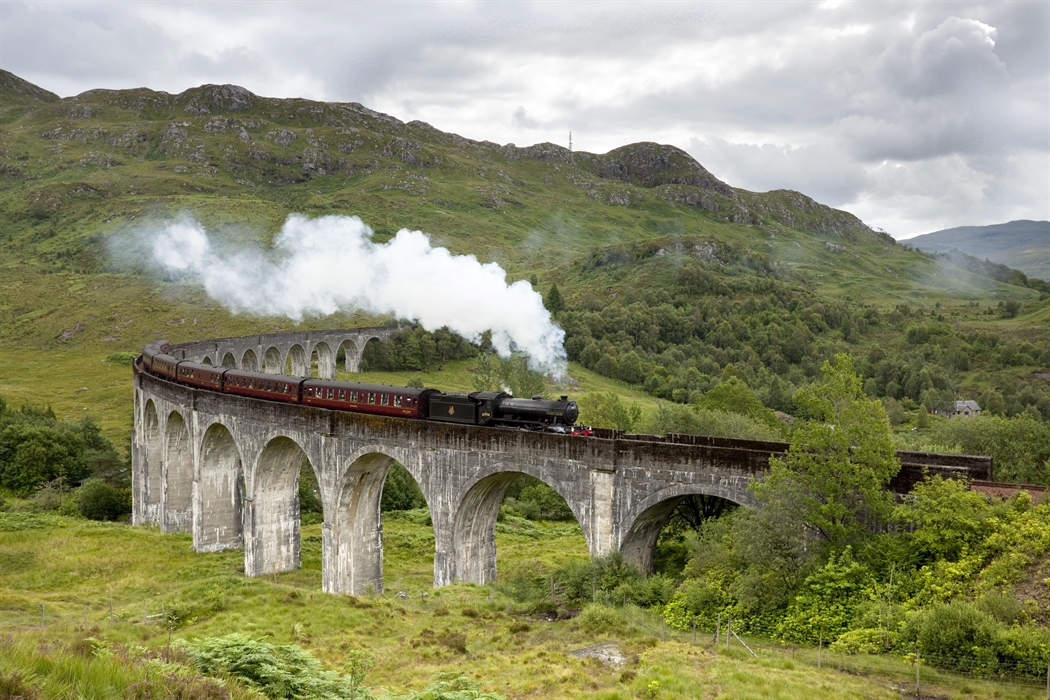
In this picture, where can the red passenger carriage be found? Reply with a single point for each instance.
(382, 399)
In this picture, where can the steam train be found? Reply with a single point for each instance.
(486, 408)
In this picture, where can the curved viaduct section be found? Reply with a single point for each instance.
(290, 353)
(226, 468)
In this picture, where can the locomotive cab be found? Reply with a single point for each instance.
(487, 405)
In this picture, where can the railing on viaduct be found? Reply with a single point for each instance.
(226, 468)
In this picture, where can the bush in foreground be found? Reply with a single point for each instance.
(97, 500)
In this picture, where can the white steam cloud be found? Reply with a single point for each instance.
(328, 264)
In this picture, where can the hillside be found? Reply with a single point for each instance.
(688, 274)
(79, 169)
(1023, 245)
(688, 306)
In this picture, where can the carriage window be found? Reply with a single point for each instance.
(342, 394)
(382, 399)
(331, 393)
(353, 396)
(309, 391)
(371, 397)
(397, 401)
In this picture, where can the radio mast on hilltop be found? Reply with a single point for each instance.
(570, 141)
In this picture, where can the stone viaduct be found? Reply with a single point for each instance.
(226, 468)
(286, 353)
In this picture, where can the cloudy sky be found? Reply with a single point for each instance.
(915, 116)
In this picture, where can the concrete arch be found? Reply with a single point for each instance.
(351, 355)
(220, 492)
(325, 360)
(178, 476)
(273, 363)
(206, 361)
(642, 525)
(272, 542)
(249, 361)
(152, 478)
(474, 525)
(297, 364)
(229, 361)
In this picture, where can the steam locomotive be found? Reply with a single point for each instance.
(487, 408)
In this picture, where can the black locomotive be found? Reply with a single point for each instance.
(488, 408)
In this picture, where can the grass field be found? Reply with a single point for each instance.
(76, 570)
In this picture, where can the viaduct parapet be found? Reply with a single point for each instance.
(290, 353)
(226, 468)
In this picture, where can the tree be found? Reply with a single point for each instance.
(1019, 446)
(992, 402)
(400, 491)
(36, 447)
(841, 462)
(631, 369)
(734, 396)
(512, 374)
(607, 410)
(554, 301)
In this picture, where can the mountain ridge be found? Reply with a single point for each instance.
(1022, 244)
(644, 165)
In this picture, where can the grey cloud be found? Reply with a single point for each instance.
(845, 104)
(521, 118)
(818, 170)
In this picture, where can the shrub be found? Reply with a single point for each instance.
(122, 358)
(1023, 650)
(597, 617)
(278, 671)
(456, 641)
(1019, 446)
(97, 500)
(863, 641)
(449, 686)
(699, 601)
(599, 577)
(956, 635)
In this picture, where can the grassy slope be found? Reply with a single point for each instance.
(79, 568)
(82, 178)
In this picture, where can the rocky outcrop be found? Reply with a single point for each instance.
(216, 98)
(653, 164)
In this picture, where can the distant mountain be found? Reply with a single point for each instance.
(1023, 245)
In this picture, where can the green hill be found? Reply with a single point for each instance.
(1023, 245)
(669, 274)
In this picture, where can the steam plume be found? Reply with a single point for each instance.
(323, 265)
